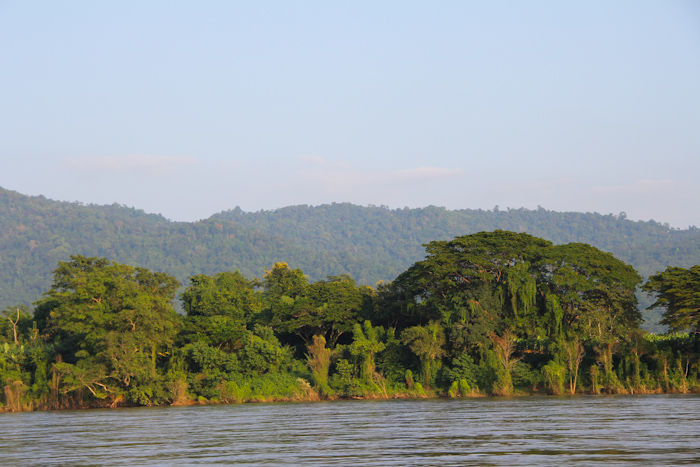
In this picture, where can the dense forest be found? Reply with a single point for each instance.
(491, 313)
(368, 243)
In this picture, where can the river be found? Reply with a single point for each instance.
(531, 431)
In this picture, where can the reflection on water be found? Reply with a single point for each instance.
(586, 430)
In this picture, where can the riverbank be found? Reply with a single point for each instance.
(306, 393)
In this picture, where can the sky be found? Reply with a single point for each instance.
(190, 108)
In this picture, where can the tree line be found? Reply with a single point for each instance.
(368, 243)
(492, 313)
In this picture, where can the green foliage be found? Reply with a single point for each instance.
(262, 353)
(205, 359)
(281, 281)
(328, 308)
(554, 376)
(525, 377)
(394, 359)
(480, 285)
(366, 344)
(489, 372)
(464, 369)
(260, 388)
(410, 382)
(427, 343)
(678, 290)
(319, 361)
(454, 389)
(117, 320)
(218, 309)
(369, 243)
(226, 294)
(491, 313)
(343, 380)
(17, 325)
(672, 338)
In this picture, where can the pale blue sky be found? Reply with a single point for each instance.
(190, 108)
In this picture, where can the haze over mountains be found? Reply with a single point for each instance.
(368, 243)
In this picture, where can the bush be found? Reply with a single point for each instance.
(463, 368)
(464, 388)
(454, 390)
(554, 375)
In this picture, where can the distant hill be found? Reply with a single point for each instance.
(369, 243)
(36, 233)
(395, 237)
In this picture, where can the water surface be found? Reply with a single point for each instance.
(585, 430)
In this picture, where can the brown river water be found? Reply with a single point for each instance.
(531, 431)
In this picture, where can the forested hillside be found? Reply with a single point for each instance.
(368, 243)
(37, 233)
(395, 237)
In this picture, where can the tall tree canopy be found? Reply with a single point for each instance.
(678, 290)
(218, 308)
(492, 281)
(116, 319)
(328, 308)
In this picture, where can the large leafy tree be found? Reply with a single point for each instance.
(590, 291)
(482, 257)
(329, 308)
(283, 281)
(226, 293)
(113, 320)
(489, 282)
(281, 286)
(219, 337)
(219, 308)
(677, 290)
(476, 282)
